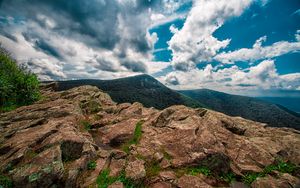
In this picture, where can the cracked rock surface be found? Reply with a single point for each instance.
(54, 141)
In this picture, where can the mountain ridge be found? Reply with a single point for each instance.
(246, 107)
(140, 88)
(151, 93)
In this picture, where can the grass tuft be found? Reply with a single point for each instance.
(280, 166)
(199, 170)
(92, 165)
(5, 182)
(104, 180)
(86, 125)
(152, 168)
(137, 135)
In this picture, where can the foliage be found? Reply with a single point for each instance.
(136, 137)
(5, 182)
(280, 166)
(199, 170)
(33, 177)
(92, 165)
(137, 133)
(86, 124)
(166, 155)
(104, 180)
(152, 168)
(18, 86)
(229, 177)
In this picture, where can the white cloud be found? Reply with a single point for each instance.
(259, 52)
(195, 42)
(263, 76)
(155, 66)
(297, 35)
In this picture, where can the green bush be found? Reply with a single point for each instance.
(5, 182)
(92, 165)
(104, 180)
(18, 86)
(280, 166)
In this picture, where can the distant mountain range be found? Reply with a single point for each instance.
(142, 88)
(151, 93)
(246, 107)
(292, 103)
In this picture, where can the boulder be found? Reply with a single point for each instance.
(192, 181)
(135, 170)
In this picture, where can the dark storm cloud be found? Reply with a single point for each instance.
(93, 21)
(135, 66)
(47, 48)
(117, 26)
(8, 35)
(104, 65)
(41, 45)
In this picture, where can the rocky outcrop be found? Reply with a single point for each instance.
(70, 138)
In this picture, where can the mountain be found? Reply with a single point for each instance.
(142, 88)
(81, 138)
(246, 107)
(291, 103)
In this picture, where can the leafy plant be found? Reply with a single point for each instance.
(166, 155)
(33, 177)
(135, 139)
(229, 177)
(152, 168)
(86, 124)
(92, 165)
(5, 182)
(280, 166)
(18, 86)
(104, 180)
(251, 177)
(199, 170)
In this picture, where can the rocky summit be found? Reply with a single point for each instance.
(81, 138)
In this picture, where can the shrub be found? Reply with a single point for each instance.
(18, 86)
(104, 180)
(152, 169)
(86, 125)
(199, 170)
(280, 166)
(5, 182)
(92, 165)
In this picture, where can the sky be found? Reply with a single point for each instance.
(248, 47)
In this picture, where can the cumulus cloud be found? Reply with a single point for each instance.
(86, 36)
(259, 52)
(261, 76)
(195, 42)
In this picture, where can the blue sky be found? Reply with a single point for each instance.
(236, 46)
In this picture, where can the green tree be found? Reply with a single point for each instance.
(18, 86)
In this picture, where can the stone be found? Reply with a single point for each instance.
(158, 156)
(135, 170)
(116, 185)
(45, 144)
(116, 166)
(167, 176)
(191, 181)
(161, 185)
(285, 181)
